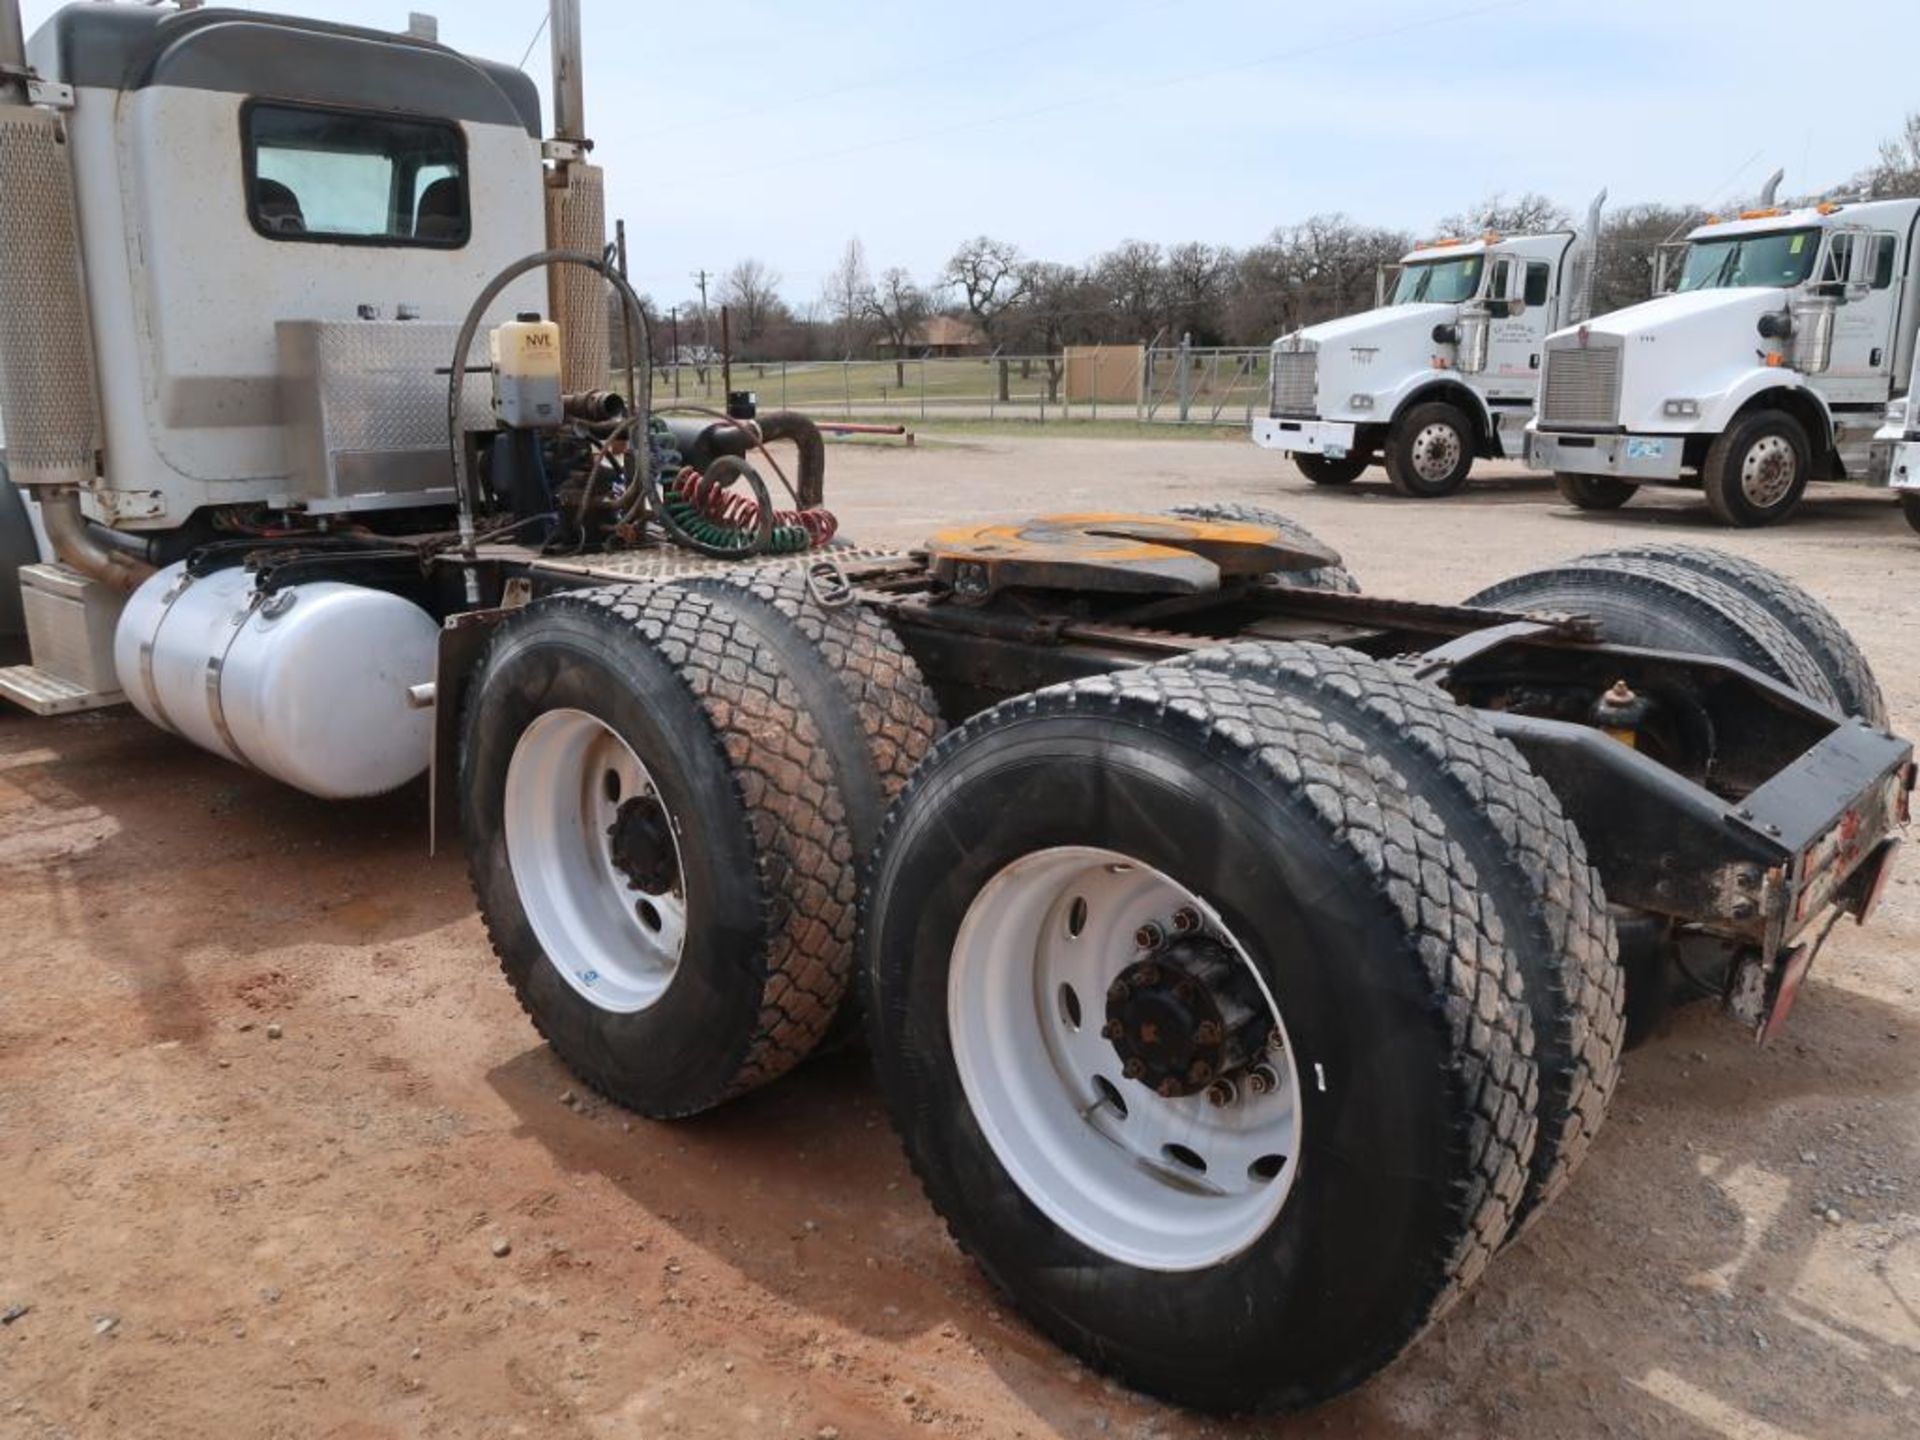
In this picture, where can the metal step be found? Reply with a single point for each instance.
(47, 694)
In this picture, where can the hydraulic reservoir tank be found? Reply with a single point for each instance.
(526, 373)
(307, 684)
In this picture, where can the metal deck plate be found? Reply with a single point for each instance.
(1128, 554)
(46, 694)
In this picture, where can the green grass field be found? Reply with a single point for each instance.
(830, 388)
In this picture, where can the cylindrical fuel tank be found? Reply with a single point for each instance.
(308, 684)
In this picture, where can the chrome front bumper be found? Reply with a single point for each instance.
(1331, 438)
(1627, 457)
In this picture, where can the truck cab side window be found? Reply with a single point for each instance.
(1539, 280)
(1885, 247)
(346, 177)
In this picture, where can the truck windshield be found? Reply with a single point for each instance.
(1443, 282)
(1779, 259)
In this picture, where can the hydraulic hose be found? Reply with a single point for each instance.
(639, 384)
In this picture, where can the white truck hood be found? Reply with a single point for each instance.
(1696, 314)
(1700, 346)
(1380, 327)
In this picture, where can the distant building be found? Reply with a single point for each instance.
(940, 338)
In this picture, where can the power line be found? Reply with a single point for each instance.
(538, 31)
(1133, 92)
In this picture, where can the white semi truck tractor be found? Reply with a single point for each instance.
(1769, 364)
(1249, 959)
(1442, 374)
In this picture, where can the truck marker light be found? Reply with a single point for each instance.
(1775, 360)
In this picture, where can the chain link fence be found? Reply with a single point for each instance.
(1160, 384)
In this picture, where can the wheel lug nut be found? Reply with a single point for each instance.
(1207, 1032)
(1274, 1042)
(1167, 1089)
(1149, 974)
(1199, 1073)
(1263, 1080)
(1185, 992)
(1119, 991)
(1148, 936)
(1186, 918)
(1222, 1093)
(1134, 1069)
(1112, 1030)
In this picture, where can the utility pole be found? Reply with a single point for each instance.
(706, 329)
(673, 320)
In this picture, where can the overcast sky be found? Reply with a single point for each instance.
(778, 130)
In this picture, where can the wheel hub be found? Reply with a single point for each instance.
(1436, 450)
(640, 842)
(1177, 1020)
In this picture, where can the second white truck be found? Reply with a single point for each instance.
(1442, 374)
(1771, 363)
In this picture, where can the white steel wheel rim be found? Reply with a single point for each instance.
(1041, 1085)
(1436, 451)
(615, 940)
(1768, 470)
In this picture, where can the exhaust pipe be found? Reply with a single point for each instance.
(576, 214)
(47, 394)
(1584, 264)
(1771, 188)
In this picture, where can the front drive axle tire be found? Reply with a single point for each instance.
(1429, 450)
(1079, 894)
(1757, 469)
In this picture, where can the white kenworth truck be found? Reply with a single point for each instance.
(1770, 364)
(1250, 959)
(1442, 374)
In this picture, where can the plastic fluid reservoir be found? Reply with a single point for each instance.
(308, 684)
(526, 373)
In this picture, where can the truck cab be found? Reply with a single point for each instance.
(1770, 363)
(1442, 373)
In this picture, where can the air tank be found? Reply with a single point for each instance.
(307, 684)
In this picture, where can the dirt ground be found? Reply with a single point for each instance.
(209, 1226)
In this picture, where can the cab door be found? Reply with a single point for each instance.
(1862, 271)
(1520, 294)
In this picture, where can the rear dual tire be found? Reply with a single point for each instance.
(1337, 848)
(668, 794)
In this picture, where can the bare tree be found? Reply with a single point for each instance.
(1898, 170)
(991, 278)
(900, 308)
(845, 296)
(1195, 289)
(752, 291)
(1525, 214)
(1630, 242)
(1133, 279)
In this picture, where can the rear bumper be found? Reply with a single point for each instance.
(1759, 869)
(1331, 438)
(1625, 457)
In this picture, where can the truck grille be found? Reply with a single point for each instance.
(1581, 386)
(1294, 376)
